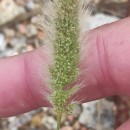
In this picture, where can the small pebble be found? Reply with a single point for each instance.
(2, 42)
(49, 122)
(31, 30)
(66, 128)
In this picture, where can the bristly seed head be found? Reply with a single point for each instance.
(62, 22)
(66, 53)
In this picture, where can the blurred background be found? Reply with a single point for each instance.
(19, 34)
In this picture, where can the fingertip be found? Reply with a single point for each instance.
(22, 88)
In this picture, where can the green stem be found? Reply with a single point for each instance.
(59, 121)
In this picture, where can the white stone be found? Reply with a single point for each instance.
(9, 10)
(99, 19)
(30, 4)
(49, 122)
(2, 42)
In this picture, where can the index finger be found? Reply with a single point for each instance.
(106, 62)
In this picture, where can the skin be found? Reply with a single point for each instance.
(105, 67)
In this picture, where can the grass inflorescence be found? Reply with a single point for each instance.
(66, 55)
(60, 21)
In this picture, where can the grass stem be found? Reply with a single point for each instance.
(59, 121)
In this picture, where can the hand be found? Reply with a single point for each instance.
(107, 63)
(105, 66)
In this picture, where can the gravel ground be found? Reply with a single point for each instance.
(19, 34)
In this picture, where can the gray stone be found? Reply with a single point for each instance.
(31, 30)
(98, 115)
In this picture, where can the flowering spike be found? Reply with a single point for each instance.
(61, 21)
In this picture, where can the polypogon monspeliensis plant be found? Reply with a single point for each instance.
(62, 22)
